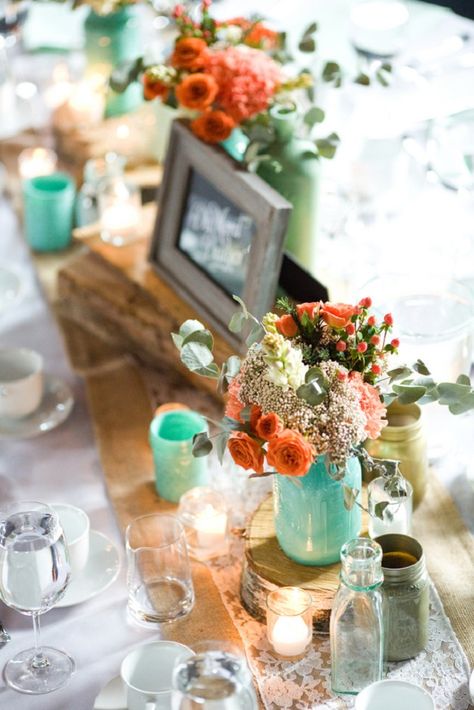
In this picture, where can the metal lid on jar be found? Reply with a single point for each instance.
(403, 559)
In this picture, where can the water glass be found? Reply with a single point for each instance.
(160, 586)
(34, 575)
(397, 513)
(216, 677)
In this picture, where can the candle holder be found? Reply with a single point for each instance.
(205, 518)
(36, 162)
(289, 621)
(120, 211)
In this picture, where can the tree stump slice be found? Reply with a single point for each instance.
(266, 567)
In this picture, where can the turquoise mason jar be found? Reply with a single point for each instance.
(48, 209)
(311, 522)
(110, 41)
(171, 440)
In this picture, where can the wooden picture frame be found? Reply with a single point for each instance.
(192, 166)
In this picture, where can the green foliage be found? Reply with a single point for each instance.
(327, 146)
(308, 41)
(313, 116)
(202, 445)
(332, 73)
(350, 496)
(125, 74)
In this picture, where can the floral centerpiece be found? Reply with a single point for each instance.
(313, 386)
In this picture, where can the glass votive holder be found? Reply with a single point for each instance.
(34, 162)
(48, 202)
(120, 211)
(95, 170)
(171, 440)
(205, 518)
(397, 514)
(289, 621)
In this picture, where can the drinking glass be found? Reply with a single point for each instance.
(377, 28)
(160, 586)
(34, 574)
(216, 677)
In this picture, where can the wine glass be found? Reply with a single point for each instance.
(13, 14)
(34, 575)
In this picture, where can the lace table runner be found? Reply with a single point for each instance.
(442, 669)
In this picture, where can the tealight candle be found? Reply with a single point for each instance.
(36, 162)
(120, 211)
(289, 621)
(204, 515)
(87, 103)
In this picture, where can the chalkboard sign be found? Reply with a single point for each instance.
(219, 232)
(216, 235)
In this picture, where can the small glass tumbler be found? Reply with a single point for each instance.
(396, 513)
(171, 440)
(289, 621)
(216, 677)
(120, 211)
(204, 515)
(160, 587)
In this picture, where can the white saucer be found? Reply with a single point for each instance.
(55, 407)
(112, 697)
(100, 571)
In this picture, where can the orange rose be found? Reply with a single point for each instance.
(311, 309)
(337, 315)
(290, 454)
(269, 425)
(255, 414)
(213, 126)
(246, 452)
(197, 91)
(262, 37)
(189, 53)
(152, 89)
(286, 325)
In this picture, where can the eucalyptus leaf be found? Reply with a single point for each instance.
(232, 367)
(202, 445)
(177, 340)
(465, 405)
(407, 394)
(382, 78)
(222, 385)
(190, 326)
(389, 397)
(212, 371)
(255, 335)
(380, 508)
(398, 373)
(327, 146)
(362, 79)
(311, 29)
(196, 356)
(311, 393)
(421, 368)
(451, 393)
(307, 44)
(237, 321)
(331, 71)
(199, 336)
(220, 444)
(313, 116)
(262, 475)
(229, 424)
(463, 380)
(350, 496)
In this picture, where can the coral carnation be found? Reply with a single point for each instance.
(247, 80)
(234, 406)
(286, 325)
(370, 404)
(213, 126)
(197, 91)
(246, 452)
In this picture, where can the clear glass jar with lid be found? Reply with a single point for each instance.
(95, 170)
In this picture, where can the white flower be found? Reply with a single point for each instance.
(285, 366)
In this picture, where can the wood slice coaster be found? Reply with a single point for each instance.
(266, 567)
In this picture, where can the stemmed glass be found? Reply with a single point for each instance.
(34, 574)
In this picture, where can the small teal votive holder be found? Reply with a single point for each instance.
(171, 440)
(48, 203)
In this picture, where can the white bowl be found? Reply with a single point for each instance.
(393, 695)
(21, 382)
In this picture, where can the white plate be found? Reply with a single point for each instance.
(55, 407)
(112, 697)
(100, 571)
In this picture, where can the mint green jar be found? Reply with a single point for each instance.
(311, 521)
(48, 208)
(294, 171)
(111, 40)
(171, 440)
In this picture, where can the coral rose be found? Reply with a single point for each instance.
(197, 91)
(246, 452)
(290, 454)
(372, 407)
(234, 406)
(189, 53)
(337, 315)
(286, 325)
(152, 89)
(269, 425)
(311, 309)
(213, 126)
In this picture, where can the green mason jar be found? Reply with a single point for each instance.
(294, 172)
(403, 439)
(406, 597)
(111, 40)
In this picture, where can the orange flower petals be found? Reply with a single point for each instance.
(246, 452)
(311, 309)
(213, 126)
(290, 453)
(197, 91)
(337, 315)
(189, 53)
(255, 414)
(153, 89)
(286, 325)
(234, 406)
(269, 425)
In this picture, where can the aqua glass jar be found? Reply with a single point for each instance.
(356, 626)
(171, 440)
(311, 520)
(111, 40)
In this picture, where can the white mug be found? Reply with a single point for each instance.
(147, 672)
(394, 695)
(76, 527)
(21, 382)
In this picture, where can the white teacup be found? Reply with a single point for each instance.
(76, 526)
(147, 672)
(21, 382)
(393, 695)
